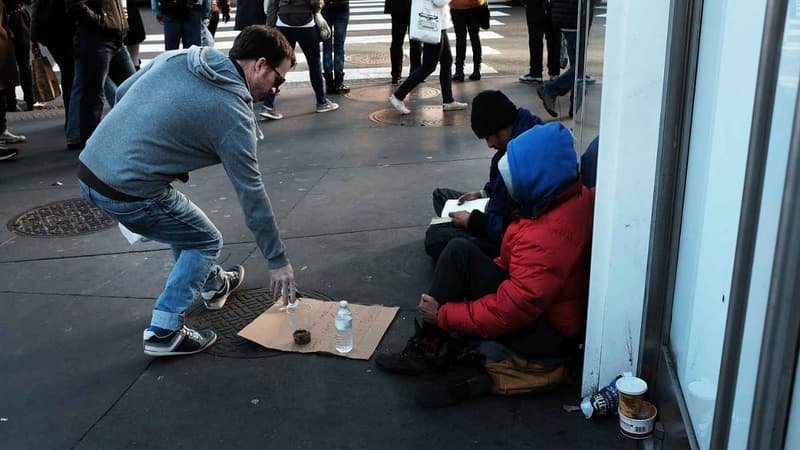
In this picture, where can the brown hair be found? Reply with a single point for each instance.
(261, 41)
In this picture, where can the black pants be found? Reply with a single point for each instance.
(62, 52)
(539, 25)
(467, 21)
(2, 111)
(400, 24)
(213, 22)
(465, 272)
(19, 22)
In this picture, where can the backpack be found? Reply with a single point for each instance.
(176, 8)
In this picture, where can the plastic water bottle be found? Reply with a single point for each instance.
(344, 328)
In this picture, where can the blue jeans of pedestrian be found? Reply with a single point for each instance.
(186, 29)
(73, 123)
(564, 82)
(94, 62)
(308, 38)
(432, 54)
(333, 48)
(173, 219)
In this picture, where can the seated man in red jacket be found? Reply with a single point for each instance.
(533, 297)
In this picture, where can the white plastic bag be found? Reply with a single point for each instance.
(426, 22)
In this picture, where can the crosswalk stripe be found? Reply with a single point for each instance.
(367, 73)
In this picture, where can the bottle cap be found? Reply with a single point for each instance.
(343, 304)
(586, 407)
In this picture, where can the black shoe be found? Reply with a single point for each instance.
(215, 300)
(185, 341)
(549, 101)
(329, 86)
(453, 390)
(422, 354)
(338, 84)
(76, 146)
(458, 76)
(395, 80)
(475, 76)
(7, 153)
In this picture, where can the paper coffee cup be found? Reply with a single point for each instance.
(631, 392)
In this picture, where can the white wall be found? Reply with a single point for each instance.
(633, 78)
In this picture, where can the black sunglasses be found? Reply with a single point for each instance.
(279, 79)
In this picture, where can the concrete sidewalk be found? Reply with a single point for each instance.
(352, 198)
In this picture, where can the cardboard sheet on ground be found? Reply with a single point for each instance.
(272, 330)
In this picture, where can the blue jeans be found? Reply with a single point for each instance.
(73, 124)
(333, 48)
(94, 62)
(182, 28)
(308, 38)
(432, 54)
(564, 82)
(172, 219)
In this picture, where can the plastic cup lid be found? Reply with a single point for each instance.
(631, 386)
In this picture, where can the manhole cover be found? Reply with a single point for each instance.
(241, 308)
(381, 94)
(421, 116)
(70, 217)
(368, 59)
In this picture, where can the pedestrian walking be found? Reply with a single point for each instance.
(400, 11)
(182, 20)
(51, 27)
(295, 20)
(467, 20)
(19, 27)
(432, 54)
(337, 14)
(8, 80)
(186, 110)
(219, 7)
(538, 17)
(136, 34)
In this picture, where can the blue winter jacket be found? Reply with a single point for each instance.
(493, 222)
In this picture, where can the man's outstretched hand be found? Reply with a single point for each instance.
(281, 283)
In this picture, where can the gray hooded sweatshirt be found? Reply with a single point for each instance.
(186, 110)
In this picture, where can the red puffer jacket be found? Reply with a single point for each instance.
(547, 259)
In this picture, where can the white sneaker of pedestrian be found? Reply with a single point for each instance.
(271, 114)
(399, 105)
(454, 106)
(327, 106)
(9, 138)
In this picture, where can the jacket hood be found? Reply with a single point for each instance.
(538, 165)
(216, 68)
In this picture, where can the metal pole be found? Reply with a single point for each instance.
(778, 358)
(774, 20)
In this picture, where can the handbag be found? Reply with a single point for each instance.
(484, 16)
(324, 29)
(45, 83)
(426, 22)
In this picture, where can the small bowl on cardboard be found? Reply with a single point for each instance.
(642, 426)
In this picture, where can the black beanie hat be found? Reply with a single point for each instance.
(491, 111)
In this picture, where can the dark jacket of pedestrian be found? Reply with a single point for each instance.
(49, 22)
(249, 12)
(337, 6)
(101, 19)
(9, 77)
(293, 12)
(492, 223)
(136, 34)
(402, 7)
(545, 250)
(565, 13)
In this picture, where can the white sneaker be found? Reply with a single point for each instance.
(271, 114)
(327, 106)
(9, 138)
(399, 105)
(454, 106)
